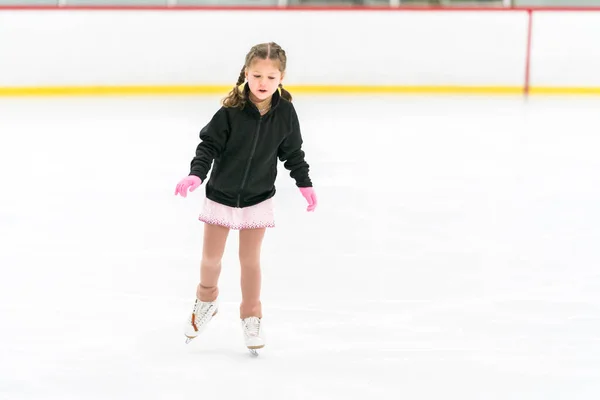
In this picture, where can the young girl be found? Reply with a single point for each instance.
(256, 124)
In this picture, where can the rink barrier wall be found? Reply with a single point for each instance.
(545, 51)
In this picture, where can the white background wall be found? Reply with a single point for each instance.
(50, 48)
(565, 49)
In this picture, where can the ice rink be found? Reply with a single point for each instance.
(454, 253)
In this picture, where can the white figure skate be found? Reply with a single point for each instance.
(201, 315)
(253, 334)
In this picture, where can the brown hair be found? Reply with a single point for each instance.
(264, 51)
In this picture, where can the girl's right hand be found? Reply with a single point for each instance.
(310, 196)
(189, 182)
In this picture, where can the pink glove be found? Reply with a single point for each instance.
(191, 182)
(310, 196)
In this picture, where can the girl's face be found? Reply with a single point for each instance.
(263, 78)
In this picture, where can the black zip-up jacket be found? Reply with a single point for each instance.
(245, 147)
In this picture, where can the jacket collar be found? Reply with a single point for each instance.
(275, 99)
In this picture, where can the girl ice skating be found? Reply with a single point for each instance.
(255, 126)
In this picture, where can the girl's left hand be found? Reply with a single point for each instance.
(190, 182)
(310, 196)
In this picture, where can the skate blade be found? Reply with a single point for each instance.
(254, 349)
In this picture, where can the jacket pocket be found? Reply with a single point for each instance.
(227, 176)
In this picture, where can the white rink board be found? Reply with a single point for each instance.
(565, 49)
(63, 48)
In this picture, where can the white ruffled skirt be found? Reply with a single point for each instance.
(260, 215)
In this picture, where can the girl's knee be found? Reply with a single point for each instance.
(249, 256)
(250, 263)
(211, 262)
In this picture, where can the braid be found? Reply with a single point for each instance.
(280, 55)
(285, 94)
(242, 76)
(236, 97)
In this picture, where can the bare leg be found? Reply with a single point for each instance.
(250, 248)
(215, 238)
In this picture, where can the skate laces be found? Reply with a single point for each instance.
(252, 326)
(202, 311)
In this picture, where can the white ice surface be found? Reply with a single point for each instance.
(454, 254)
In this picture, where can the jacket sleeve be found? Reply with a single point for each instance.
(291, 154)
(213, 139)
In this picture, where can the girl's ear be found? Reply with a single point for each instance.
(246, 73)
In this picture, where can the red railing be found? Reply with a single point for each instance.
(402, 8)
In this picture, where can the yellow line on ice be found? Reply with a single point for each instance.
(222, 90)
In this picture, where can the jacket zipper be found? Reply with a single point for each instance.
(249, 161)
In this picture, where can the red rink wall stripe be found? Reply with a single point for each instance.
(291, 8)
